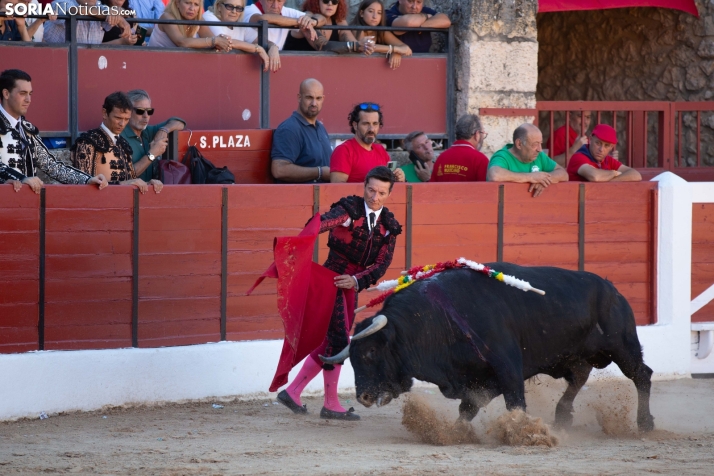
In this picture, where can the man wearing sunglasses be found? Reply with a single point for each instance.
(147, 142)
(352, 160)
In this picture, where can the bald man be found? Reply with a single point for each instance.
(301, 147)
(525, 162)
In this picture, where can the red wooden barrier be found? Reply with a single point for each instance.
(180, 266)
(246, 153)
(256, 215)
(702, 256)
(91, 257)
(620, 241)
(50, 82)
(413, 97)
(19, 269)
(89, 267)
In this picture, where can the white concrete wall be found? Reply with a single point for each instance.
(702, 192)
(56, 381)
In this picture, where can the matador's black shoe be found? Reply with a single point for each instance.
(286, 399)
(349, 415)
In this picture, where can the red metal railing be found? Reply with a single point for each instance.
(634, 125)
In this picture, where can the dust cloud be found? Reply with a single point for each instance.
(423, 421)
(517, 428)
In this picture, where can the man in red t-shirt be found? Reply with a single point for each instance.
(576, 136)
(462, 162)
(352, 160)
(593, 162)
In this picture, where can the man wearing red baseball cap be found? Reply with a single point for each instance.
(593, 162)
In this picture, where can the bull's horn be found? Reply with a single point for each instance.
(377, 323)
(337, 359)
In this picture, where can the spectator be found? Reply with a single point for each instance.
(187, 36)
(275, 13)
(103, 150)
(12, 29)
(352, 160)
(593, 162)
(148, 9)
(413, 14)
(89, 32)
(113, 36)
(244, 39)
(22, 151)
(371, 13)
(147, 142)
(577, 136)
(525, 162)
(35, 26)
(301, 147)
(334, 12)
(463, 161)
(421, 155)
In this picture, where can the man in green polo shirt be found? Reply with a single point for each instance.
(421, 155)
(147, 142)
(525, 162)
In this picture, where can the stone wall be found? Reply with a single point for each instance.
(633, 54)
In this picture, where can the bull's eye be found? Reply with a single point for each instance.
(370, 354)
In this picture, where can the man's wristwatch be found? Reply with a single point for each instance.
(151, 157)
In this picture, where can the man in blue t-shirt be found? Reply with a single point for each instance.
(413, 14)
(301, 147)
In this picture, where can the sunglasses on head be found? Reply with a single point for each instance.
(233, 8)
(334, 2)
(141, 110)
(369, 106)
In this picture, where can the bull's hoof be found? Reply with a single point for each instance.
(349, 415)
(563, 421)
(646, 425)
(285, 398)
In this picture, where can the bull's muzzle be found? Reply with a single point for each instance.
(377, 323)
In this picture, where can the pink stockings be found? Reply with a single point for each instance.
(309, 371)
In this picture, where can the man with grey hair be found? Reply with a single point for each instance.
(147, 142)
(463, 161)
(421, 155)
(525, 162)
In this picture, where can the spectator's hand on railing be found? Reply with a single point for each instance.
(395, 60)
(305, 22)
(138, 183)
(260, 51)
(222, 43)
(403, 50)
(157, 184)
(16, 184)
(117, 20)
(274, 55)
(537, 189)
(99, 180)
(366, 45)
(34, 183)
(320, 42)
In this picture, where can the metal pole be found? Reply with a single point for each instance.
(264, 80)
(450, 87)
(71, 37)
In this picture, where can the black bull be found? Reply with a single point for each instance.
(477, 338)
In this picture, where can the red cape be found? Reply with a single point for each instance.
(306, 297)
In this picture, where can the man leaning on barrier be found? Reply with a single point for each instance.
(147, 142)
(275, 13)
(22, 152)
(413, 14)
(301, 147)
(525, 162)
(104, 150)
(594, 162)
(88, 32)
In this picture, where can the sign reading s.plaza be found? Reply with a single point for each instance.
(92, 8)
(224, 141)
